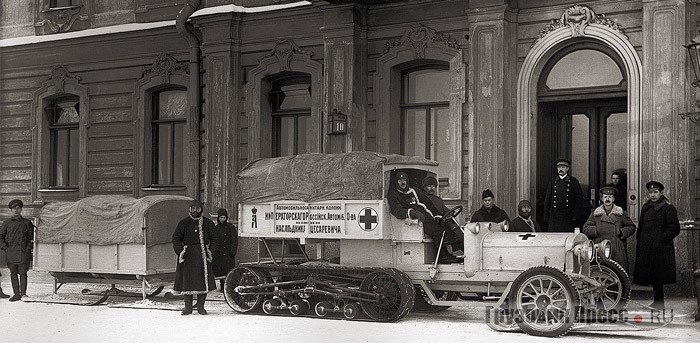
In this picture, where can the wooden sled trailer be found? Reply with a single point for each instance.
(108, 239)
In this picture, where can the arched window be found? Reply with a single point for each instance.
(290, 105)
(63, 115)
(425, 114)
(168, 132)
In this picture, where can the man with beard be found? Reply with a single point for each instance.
(224, 245)
(406, 202)
(16, 236)
(610, 222)
(523, 222)
(655, 262)
(563, 202)
(489, 212)
(194, 273)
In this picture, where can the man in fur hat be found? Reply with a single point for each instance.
(224, 245)
(611, 222)
(489, 212)
(16, 236)
(523, 222)
(194, 273)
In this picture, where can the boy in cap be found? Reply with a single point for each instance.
(563, 202)
(194, 273)
(489, 212)
(523, 222)
(224, 245)
(611, 222)
(655, 262)
(16, 236)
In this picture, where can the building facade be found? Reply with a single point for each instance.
(140, 97)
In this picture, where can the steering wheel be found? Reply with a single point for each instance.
(455, 211)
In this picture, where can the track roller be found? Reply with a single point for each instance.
(323, 308)
(299, 307)
(352, 310)
(271, 306)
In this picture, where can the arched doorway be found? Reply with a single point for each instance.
(582, 116)
(578, 24)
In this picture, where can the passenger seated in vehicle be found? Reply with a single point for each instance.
(414, 203)
(489, 212)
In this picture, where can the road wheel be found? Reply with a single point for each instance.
(299, 307)
(352, 310)
(616, 288)
(243, 276)
(396, 295)
(323, 308)
(545, 301)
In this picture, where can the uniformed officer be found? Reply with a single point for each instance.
(563, 203)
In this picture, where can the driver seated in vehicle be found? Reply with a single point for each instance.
(413, 203)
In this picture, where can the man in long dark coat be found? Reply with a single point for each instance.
(406, 202)
(489, 212)
(563, 202)
(656, 259)
(194, 273)
(224, 245)
(611, 222)
(16, 236)
(523, 222)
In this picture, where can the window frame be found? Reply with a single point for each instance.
(154, 125)
(53, 128)
(279, 81)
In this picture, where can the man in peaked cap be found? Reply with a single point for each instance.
(610, 222)
(655, 262)
(194, 273)
(489, 212)
(16, 236)
(563, 202)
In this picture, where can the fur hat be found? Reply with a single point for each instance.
(401, 175)
(222, 212)
(429, 181)
(486, 194)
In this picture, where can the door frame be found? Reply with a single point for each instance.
(527, 104)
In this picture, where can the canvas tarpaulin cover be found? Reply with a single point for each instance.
(318, 177)
(109, 219)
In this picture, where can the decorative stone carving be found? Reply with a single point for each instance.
(693, 116)
(577, 18)
(61, 19)
(165, 65)
(418, 37)
(283, 52)
(58, 77)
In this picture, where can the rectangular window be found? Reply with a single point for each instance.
(168, 137)
(63, 115)
(61, 3)
(290, 133)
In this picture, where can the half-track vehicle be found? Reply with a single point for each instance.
(540, 283)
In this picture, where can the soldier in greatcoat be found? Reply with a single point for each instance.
(224, 245)
(16, 235)
(563, 202)
(611, 222)
(194, 273)
(655, 262)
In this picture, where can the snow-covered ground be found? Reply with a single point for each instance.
(53, 323)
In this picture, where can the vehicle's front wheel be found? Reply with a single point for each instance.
(616, 288)
(545, 301)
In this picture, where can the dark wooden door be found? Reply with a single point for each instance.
(592, 134)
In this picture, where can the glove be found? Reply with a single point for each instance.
(438, 220)
(416, 215)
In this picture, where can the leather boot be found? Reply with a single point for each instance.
(221, 282)
(201, 298)
(188, 305)
(3, 295)
(23, 284)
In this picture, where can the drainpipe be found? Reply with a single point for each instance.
(194, 92)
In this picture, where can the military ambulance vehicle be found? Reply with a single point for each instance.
(383, 267)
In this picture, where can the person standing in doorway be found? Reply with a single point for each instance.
(563, 202)
(194, 273)
(655, 262)
(16, 235)
(620, 185)
(224, 245)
